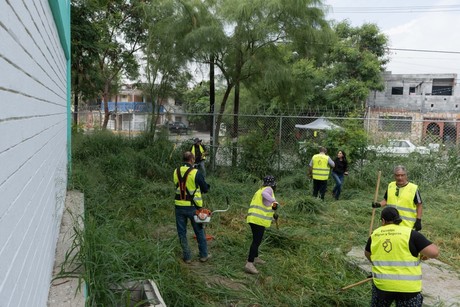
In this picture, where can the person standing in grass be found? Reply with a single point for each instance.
(190, 185)
(260, 216)
(338, 172)
(395, 252)
(319, 168)
(404, 196)
(200, 155)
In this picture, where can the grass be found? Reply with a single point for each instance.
(130, 228)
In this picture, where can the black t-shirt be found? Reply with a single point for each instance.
(417, 197)
(341, 166)
(417, 242)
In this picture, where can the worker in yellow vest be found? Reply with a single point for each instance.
(190, 185)
(404, 196)
(395, 252)
(200, 155)
(319, 169)
(260, 216)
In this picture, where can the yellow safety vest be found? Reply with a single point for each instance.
(394, 268)
(203, 157)
(404, 202)
(320, 167)
(258, 213)
(194, 192)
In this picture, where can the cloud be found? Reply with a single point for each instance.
(433, 31)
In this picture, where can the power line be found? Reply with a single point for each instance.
(397, 9)
(424, 50)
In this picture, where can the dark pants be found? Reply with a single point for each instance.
(257, 235)
(319, 186)
(379, 301)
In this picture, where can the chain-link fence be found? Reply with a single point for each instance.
(286, 142)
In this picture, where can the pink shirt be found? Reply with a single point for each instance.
(267, 198)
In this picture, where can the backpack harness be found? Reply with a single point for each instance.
(184, 192)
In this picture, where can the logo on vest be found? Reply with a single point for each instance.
(387, 246)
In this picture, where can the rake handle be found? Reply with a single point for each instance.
(357, 284)
(375, 200)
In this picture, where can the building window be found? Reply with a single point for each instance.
(412, 90)
(441, 91)
(395, 123)
(442, 87)
(397, 90)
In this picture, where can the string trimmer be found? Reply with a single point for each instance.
(203, 216)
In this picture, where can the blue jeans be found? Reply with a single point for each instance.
(338, 184)
(184, 213)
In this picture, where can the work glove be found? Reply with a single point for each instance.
(376, 205)
(275, 216)
(275, 206)
(418, 224)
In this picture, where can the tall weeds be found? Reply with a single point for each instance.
(130, 228)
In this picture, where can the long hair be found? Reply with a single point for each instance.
(344, 155)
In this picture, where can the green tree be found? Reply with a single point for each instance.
(116, 35)
(355, 63)
(167, 52)
(253, 29)
(86, 77)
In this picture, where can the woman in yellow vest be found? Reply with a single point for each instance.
(395, 253)
(260, 216)
(404, 196)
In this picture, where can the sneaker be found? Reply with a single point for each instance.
(257, 260)
(187, 261)
(204, 259)
(250, 268)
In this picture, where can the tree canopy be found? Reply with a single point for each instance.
(284, 53)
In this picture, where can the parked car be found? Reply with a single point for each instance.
(177, 127)
(399, 148)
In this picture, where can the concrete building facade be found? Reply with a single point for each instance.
(422, 107)
(34, 144)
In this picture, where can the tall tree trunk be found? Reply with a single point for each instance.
(106, 97)
(236, 107)
(75, 100)
(221, 111)
(212, 101)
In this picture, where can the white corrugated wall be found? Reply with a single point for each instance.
(33, 149)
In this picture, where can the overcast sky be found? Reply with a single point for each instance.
(410, 24)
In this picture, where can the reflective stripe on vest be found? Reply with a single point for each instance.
(393, 266)
(320, 167)
(258, 213)
(404, 202)
(191, 187)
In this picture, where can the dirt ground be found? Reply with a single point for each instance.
(441, 283)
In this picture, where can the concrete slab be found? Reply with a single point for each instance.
(440, 282)
(64, 291)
